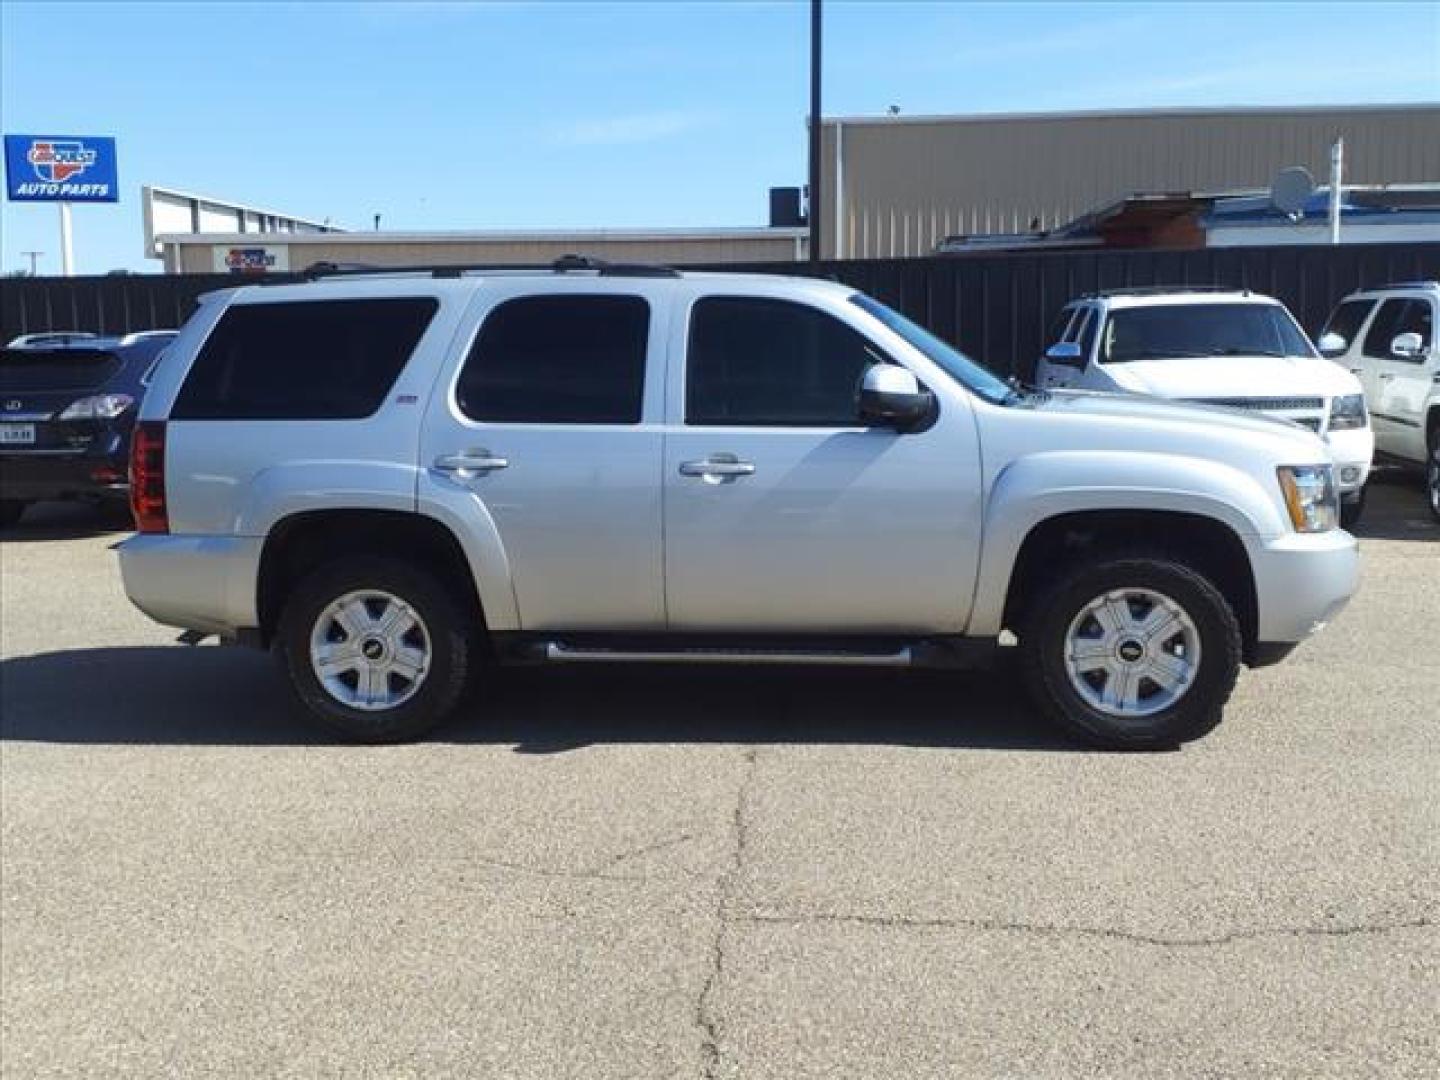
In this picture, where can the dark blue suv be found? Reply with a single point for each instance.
(67, 406)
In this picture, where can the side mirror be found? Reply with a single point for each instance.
(1067, 353)
(1332, 344)
(891, 395)
(1408, 346)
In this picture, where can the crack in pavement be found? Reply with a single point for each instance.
(900, 922)
(705, 1018)
(596, 873)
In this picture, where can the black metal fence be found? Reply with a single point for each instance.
(995, 306)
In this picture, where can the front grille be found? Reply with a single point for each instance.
(1259, 404)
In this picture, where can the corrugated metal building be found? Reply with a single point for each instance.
(897, 185)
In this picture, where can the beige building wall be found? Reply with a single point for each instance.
(908, 182)
(195, 255)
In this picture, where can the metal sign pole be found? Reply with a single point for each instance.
(1337, 169)
(814, 201)
(67, 253)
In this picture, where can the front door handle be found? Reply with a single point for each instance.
(1386, 376)
(717, 469)
(470, 463)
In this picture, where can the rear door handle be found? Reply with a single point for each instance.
(470, 463)
(1386, 376)
(717, 470)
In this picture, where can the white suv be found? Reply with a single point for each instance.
(1215, 347)
(1386, 336)
(396, 480)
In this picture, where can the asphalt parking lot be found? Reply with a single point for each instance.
(674, 873)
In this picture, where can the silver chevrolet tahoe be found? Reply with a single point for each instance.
(399, 481)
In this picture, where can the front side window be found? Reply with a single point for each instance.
(1060, 328)
(558, 359)
(1347, 319)
(306, 360)
(772, 363)
(1180, 331)
(1396, 317)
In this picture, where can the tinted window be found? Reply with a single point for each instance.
(1059, 326)
(71, 369)
(558, 360)
(1347, 319)
(312, 360)
(1191, 330)
(773, 363)
(1397, 317)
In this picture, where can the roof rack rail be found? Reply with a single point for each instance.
(563, 265)
(1403, 285)
(1160, 290)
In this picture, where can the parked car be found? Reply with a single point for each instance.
(68, 402)
(1221, 347)
(1386, 336)
(392, 480)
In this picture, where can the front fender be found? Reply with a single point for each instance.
(1038, 487)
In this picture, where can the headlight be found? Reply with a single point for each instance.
(1348, 412)
(99, 407)
(1310, 497)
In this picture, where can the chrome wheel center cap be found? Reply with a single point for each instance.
(1131, 651)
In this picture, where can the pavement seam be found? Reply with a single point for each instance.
(705, 1018)
(1052, 929)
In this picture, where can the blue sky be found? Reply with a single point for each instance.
(453, 115)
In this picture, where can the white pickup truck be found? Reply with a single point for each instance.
(397, 480)
(1215, 346)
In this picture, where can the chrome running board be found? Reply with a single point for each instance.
(559, 653)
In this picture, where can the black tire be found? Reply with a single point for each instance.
(1432, 479)
(11, 511)
(1195, 713)
(450, 634)
(1352, 509)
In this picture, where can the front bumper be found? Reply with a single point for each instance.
(1302, 581)
(1351, 451)
(202, 583)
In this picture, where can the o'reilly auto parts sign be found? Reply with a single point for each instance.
(60, 168)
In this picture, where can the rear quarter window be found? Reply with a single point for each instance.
(306, 360)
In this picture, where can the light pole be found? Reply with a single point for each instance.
(813, 208)
(32, 256)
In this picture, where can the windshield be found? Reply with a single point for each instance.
(1190, 330)
(956, 364)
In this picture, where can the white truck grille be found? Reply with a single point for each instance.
(1306, 411)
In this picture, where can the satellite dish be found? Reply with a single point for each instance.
(1291, 190)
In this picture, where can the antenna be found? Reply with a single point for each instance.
(1290, 191)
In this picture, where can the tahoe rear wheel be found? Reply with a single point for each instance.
(374, 648)
(1132, 653)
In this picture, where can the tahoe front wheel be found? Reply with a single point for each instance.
(1132, 653)
(1432, 479)
(374, 648)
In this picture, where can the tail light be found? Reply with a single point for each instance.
(147, 477)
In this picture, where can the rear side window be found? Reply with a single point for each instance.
(1396, 317)
(1347, 319)
(311, 360)
(773, 363)
(558, 360)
